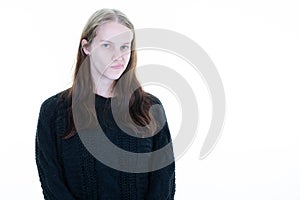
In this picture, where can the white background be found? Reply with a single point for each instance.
(255, 46)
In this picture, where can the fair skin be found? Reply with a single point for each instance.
(109, 54)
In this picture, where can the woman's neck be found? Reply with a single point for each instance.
(104, 87)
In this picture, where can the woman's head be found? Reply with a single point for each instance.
(109, 52)
(108, 40)
(108, 27)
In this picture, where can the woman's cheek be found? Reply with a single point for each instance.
(127, 58)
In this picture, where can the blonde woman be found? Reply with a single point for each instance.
(67, 170)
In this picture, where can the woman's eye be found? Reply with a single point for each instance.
(106, 46)
(124, 48)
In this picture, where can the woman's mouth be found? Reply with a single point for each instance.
(118, 66)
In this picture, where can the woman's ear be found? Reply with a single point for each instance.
(84, 47)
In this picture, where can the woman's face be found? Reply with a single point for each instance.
(109, 51)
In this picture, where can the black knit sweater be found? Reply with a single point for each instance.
(68, 171)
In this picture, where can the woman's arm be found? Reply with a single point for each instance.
(162, 181)
(49, 169)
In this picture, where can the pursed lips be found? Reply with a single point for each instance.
(117, 66)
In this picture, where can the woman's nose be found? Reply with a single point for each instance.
(117, 55)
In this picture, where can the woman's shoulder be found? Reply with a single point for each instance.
(54, 103)
(153, 99)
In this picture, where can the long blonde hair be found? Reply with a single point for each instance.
(139, 104)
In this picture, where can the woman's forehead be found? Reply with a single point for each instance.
(114, 32)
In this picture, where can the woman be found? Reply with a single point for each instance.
(104, 73)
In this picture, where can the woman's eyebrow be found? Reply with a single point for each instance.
(106, 41)
(113, 42)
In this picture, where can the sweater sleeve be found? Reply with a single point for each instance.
(162, 182)
(49, 169)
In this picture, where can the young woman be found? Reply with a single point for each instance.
(105, 71)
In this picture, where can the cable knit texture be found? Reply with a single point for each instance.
(68, 171)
